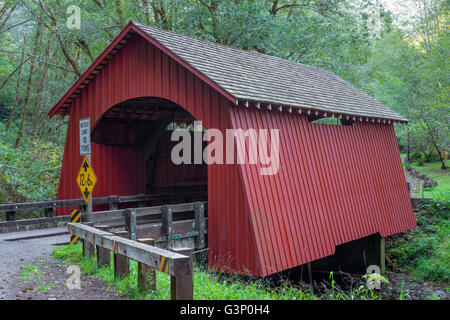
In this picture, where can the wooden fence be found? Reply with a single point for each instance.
(49, 206)
(166, 223)
(49, 220)
(177, 265)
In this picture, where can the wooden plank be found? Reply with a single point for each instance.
(100, 200)
(167, 227)
(176, 264)
(103, 255)
(88, 243)
(383, 255)
(49, 212)
(182, 184)
(182, 287)
(155, 210)
(200, 224)
(121, 262)
(119, 214)
(146, 275)
(10, 216)
(112, 202)
(141, 204)
(130, 223)
(32, 224)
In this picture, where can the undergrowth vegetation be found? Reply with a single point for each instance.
(424, 252)
(29, 172)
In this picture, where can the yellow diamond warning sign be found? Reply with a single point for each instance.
(86, 179)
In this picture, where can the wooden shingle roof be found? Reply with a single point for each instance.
(255, 78)
(251, 76)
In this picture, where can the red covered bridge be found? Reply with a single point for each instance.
(335, 184)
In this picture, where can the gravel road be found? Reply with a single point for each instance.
(45, 278)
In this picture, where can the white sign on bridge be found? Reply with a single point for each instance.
(85, 137)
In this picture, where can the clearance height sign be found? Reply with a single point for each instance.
(86, 179)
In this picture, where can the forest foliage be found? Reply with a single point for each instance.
(405, 66)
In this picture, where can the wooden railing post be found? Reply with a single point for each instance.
(130, 223)
(88, 246)
(49, 212)
(383, 256)
(10, 216)
(121, 262)
(199, 215)
(146, 275)
(112, 202)
(167, 229)
(103, 255)
(182, 287)
(141, 204)
(82, 209)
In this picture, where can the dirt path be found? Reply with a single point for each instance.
(412, 289)
(28, 271)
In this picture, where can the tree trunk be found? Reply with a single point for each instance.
(7, 17)
(433, 141)
(16, 100)
(12, 73)
(30, 80)
(37, 106)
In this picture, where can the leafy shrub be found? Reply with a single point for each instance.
(413, 156)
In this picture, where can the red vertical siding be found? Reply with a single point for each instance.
(336, 184)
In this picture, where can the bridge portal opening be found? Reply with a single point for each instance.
(145, 125)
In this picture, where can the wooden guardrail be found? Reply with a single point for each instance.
(166, 223)
(178, 266)
(10, 209)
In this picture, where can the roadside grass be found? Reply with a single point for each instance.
(207, 285)
(424, 254)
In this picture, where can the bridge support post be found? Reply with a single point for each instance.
(130, 223)
(103, 255)
(167, 228)
(199, 215)
(181, 287)
(88, 247)
(121, 262)
(10, 216)
(146, 275)
(112, 202)
(49, 212)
